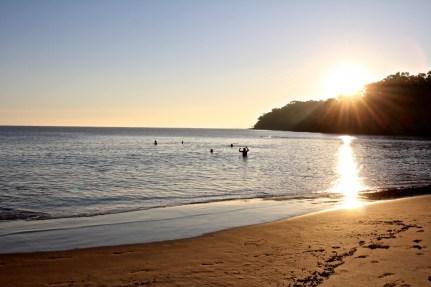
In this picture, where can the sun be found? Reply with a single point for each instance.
(345, 79)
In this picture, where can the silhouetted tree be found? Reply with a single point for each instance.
(400, 104)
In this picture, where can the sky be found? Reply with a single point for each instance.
(213, 64)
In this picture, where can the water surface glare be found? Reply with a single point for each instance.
(348, 183)
(68, 172)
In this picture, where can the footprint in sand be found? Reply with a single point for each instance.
(396, 284)
(141, 270)
(212, 263)
(385, 275)
(361, 256)
(61, 284)
(377, 246)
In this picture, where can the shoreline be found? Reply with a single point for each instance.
(150, 225)
(176, 222)
(376, 194)
(329, 247)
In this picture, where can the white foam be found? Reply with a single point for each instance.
(147, 225)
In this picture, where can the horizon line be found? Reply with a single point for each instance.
(121, 127)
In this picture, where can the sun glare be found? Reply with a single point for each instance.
(349, 183)
(345, 79)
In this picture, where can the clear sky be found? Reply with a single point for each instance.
(193, 63)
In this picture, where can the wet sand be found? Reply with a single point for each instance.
(383, 244)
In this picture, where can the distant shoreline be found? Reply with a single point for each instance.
(398, 105)
(397, 136)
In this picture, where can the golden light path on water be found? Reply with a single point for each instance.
(349, 183)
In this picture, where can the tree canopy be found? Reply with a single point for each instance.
(400, 104)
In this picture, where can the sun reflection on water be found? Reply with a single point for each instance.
(349, 183)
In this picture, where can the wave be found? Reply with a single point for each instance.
(393, 193)
(16, 214)
(9, 214)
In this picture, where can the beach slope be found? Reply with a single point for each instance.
(382, 244)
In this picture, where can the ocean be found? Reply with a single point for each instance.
(64, 172)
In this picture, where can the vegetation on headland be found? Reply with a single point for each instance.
(400, 104)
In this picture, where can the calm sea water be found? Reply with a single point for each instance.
(66, 172)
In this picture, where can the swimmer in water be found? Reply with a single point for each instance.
(211, 151)
(155, 142)
(182, 142)
(231, 145)
(244, 151)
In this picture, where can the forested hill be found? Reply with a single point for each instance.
(398, 105)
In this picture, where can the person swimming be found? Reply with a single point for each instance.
(211, 151)
(231, 145)
(244, 151)
(182, 142)
(155, 142)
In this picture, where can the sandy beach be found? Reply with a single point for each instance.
(381, 244)
(215, 143)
